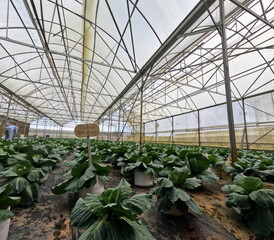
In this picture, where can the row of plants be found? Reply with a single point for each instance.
(24, 165)
(175, 169)
(178, 168)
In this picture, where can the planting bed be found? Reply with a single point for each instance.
(49, 218)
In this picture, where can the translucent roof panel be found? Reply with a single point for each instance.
(80, 60)
(71, 59)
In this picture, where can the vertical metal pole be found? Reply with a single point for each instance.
(245, 125)
(89, 151)
(36, 126)
(61, 131)
(156, 130)
(110, 127)
(45, 121)
(172, 130)
(227, 84)
(199, 129)
(141, 112)
(7, 114)
(119, 122)
(144, 129)
(25, 125)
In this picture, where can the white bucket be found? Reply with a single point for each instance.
(97, 188)
(4, 229)
(143, 180)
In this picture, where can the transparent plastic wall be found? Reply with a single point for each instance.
(164, 131)
(260, 121)
(186, 129)
(209, 127)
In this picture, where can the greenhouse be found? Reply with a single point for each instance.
(136, 119)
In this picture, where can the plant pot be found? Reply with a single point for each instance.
(143, 180)
(96, 188)
(43, 179)
(4, 229)
(174, 211)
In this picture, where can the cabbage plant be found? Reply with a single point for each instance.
(112, 215)
(255, 203)
(6, 202)
(170, 191)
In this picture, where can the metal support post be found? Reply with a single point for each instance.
(36, 126)
(7, 115)
(156, 130)
(172, 130)
(141, 112)
(25, 125)
(199, 129)
(227, 84)
(245, 125)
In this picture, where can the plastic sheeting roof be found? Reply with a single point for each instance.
(73, 59)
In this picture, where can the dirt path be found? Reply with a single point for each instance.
(48, 219)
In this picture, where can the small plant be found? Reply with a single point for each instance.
(81, 175)
(198, 164)
(112, 215)
(6, 202)
(255, 203)
(170, 192)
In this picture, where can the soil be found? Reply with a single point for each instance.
(48, 219)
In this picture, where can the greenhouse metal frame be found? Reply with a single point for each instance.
(196, 67)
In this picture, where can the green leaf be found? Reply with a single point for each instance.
(164, 182)
(98, 230)
(8, 173)
(35, 175)
(18, 184)
(263, 197)
(179, 176)
(87, 175)
(238, 200)
(79, 170)
(252, 184)
(84, 211)
(197, 162)
(118, 194)
(60, 188)
(26, 196)
(193, 206)
(259, 219)
(101, 170)
(141, 232)
(22, 168)
(234, 188)
(139, 203)
(7, 201)
(192, 183)
(35, 190)
(5, 214)
(5, 190)
(182, 195)
(207, 177)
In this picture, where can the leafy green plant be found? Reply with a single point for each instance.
(6, 202)
(143, 163)
(255, 203)
(169, 191)
(198, 164)
(24, 180)
(112, 215)
(81, 175)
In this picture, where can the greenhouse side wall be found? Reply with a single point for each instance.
(253, 120)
